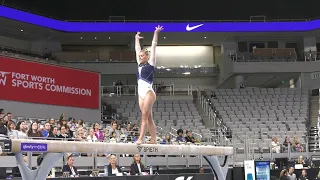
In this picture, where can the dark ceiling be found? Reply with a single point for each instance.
(170, 9)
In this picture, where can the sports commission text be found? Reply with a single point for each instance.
(40, 83)
(51, 87)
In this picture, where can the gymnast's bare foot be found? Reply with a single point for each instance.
(138, 142)
(152, 142)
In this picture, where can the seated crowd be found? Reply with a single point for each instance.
(79, 131)
(286, 146)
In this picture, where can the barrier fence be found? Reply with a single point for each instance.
(132, 90)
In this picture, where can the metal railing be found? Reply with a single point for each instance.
(247, 57)
(132, 90)
(206, 106)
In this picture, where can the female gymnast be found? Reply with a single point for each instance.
(147, 62)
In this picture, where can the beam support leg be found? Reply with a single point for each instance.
(219, 171)
(49, 159)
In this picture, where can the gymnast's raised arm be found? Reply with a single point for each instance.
(137, 46)
(152, 59)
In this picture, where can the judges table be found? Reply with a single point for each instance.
(152, 177)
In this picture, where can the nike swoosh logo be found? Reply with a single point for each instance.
(188, 28)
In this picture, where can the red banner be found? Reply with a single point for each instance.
(33, 82)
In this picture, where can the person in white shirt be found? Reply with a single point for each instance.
(22, 130)
(275, 145)
(136, 167)
(91, 138)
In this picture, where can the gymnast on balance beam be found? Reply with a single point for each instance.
(146, 66)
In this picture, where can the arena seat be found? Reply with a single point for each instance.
(266, 55)
(263, 53)
(260, 114)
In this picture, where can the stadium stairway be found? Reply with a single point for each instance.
(205, 118)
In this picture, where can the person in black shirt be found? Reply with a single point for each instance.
(189, 137)
(73, 171)
(303, 175)
(136, 167)
(3, 128)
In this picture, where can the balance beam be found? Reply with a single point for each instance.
(54, 150)
(52, 146)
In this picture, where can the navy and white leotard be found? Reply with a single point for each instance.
(145, 72)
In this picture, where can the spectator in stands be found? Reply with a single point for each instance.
(97, 132)
(286, 144)
(9, 115)
(54, 132)
(284, 175)
(114, 138)
(80, 123)
(63, 133)
(40, 126)
(12, 133)
(3, 128)
(22, 130)
(137, 166)
(81, 135)
(135, 127)
(189, 137)
(292, 176)
(33, 130)
(46, 130)
(114, 126)
(106, 135)
(134, 135)
(166, 140)
(113, 168)
(299, 148)
(52, 122)
(275, 145)
(303, 175)
(295, 141)
(63, 122)
(71, 124)
(5, 120)
(180, 137)
(62, 117)
(127, 130)
(69, 166)
(91, 137)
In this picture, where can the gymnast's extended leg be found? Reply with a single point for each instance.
(146, 107)
(152, 128)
